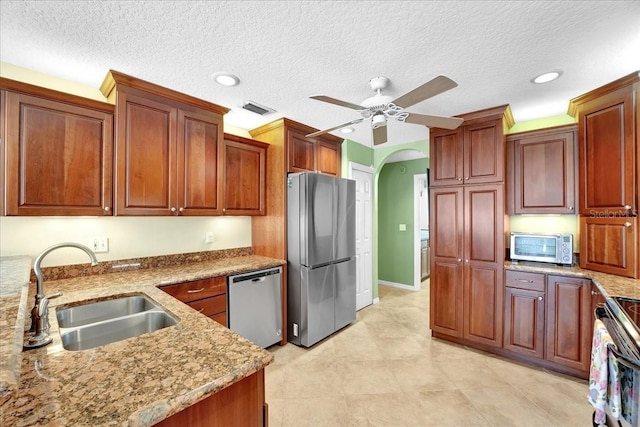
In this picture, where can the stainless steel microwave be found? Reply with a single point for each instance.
(553, 248)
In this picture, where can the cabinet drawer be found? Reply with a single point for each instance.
(210, 306)
(523, 280)
(220, 318)
(198, 289)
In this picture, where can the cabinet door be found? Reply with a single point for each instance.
(483, 264)
(301, 152)
(445, 151)
(484, 145)
(607, 142)
(609, 245)
(146, 153)
(198, 170)
(446, 232)
(245, 176)
(58, 158)
(328, 157)
(524, 321)
(568, 326)
(544, 174)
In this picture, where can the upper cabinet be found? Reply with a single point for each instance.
(473, 153)
(609, 146)
(608, 141)
(541, 171)
(318, 154)
(167, 150)
(245, 174)
(57, 152)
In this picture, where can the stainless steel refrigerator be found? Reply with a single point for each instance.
(321, 279)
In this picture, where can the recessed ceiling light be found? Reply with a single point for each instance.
(226, 79)
(346, 130)
(547, 77)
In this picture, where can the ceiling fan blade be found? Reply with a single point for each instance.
(434, 121)
(338, 102)
(320, 132)
(380, 135)
(431, 88)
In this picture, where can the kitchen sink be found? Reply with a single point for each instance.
(94, 324)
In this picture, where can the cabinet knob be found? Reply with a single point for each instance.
(627, 207)
(539, 298)
(459, 179)
(107, 208)
(181, 209)
(459, 259)
(173, 209)
(627, 224)
(466, 178)
(570, 208)
(466, 260)
(594, 293)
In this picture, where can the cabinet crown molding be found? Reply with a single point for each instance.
(116, 78)
(285, 122)
(628, 80)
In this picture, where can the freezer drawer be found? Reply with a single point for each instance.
(255, 306)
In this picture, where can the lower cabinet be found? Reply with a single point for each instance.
(208, 296)
(240, 404)
(548, 317)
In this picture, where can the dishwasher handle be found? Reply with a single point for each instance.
(255, 277)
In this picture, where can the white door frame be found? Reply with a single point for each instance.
(368, 170)
(417, 188)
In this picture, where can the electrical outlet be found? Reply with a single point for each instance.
(209, 238)
(99, 244)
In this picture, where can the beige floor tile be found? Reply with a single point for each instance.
(385, 370)
(320, 412)
(507, 407)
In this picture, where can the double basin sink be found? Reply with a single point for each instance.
(98, 323)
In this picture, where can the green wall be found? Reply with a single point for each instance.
(396, 206)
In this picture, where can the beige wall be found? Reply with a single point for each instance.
(129, 237)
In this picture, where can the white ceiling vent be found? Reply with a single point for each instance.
(257, 108)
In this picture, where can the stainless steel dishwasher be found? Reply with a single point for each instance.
(255, 305)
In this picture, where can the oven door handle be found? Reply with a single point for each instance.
(600, 313)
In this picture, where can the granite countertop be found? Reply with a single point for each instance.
(609, 285)
(138, 381)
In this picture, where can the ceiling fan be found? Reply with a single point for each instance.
(381, 107)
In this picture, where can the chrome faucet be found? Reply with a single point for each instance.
(40, 311)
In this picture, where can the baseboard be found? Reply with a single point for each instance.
(376, 300)
(397, 285)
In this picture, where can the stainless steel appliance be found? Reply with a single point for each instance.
(621, 317)
(553, 248)
(321, 279)
(255, 306)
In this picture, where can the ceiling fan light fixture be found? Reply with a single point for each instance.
(547, 77)
(378, 120)
(226, 79)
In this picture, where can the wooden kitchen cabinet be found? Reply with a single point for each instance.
(524, 313)
(467, 229)
(569, 327)
(207, 296)
(318, 154)
(245, 163)
(167, 150)
(472, 154)
(541, 171)
(608, 141)
(467, 267)
(609, 245)
(609, 148)
(57, 152)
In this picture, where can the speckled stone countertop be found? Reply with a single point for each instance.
(141, 380)
(608, 284)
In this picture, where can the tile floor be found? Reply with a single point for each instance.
(386, 370)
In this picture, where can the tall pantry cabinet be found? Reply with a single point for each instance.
(609, 149)
(467, 228)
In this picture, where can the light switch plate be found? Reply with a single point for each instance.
(403, 227)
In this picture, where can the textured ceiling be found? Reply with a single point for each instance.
(286, 51)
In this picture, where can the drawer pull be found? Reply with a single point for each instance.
(525, 280)
(194, 291)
